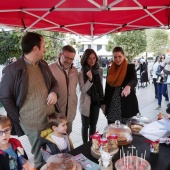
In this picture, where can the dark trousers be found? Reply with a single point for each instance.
(89, 123)
(155, 85)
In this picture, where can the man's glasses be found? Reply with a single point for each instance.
(68, 58)
(7, 131)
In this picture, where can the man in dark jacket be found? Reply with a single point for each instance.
(28, 92)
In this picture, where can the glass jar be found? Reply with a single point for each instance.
(95, 141)
(103, 144)
(154, 147)
(113, 141)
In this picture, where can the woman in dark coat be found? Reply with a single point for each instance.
(120, 98)
(143, 72)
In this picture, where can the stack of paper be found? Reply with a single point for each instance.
(156, 130)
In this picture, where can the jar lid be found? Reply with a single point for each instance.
(96, 136)
(103, 141)
(112, 136)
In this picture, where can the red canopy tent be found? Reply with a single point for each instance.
(85, 17)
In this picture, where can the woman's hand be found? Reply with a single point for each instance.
(89, 75)
(126, 91)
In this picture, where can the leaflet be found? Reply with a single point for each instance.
(86, 163)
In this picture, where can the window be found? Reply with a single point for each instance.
(99, 47)
(82, 48)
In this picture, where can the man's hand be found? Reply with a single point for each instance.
(126, 91)
(52, 98)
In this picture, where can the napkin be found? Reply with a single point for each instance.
(156, 130)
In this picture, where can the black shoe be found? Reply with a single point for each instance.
(168, 105)
(157, 98)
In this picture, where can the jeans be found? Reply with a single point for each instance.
(89, 123)
(162, 90)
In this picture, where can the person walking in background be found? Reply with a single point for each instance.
(154, 69)
(105, 62)
(28, 92)
(67, 77)
(143, 72)
(166, 71)
(161, 85)
(120, 98)
(91, 97)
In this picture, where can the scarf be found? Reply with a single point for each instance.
(117, 74)
(96, 90)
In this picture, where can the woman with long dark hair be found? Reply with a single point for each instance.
(120, 98)
(91, 98)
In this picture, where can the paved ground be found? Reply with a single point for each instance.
(147, 105)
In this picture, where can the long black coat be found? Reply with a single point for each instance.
(129, 104)
(143, 72)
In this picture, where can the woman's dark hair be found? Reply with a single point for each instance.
(118, 49)
(30, 40)
(86, 55)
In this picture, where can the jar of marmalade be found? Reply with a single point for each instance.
(103, 144)
(95, 141)
(154, 147)
(112, 139)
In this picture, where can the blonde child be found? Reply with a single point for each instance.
(11, 150)
(55, 140)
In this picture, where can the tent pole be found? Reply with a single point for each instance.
(92, 31)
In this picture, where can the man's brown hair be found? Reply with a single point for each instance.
(4, 121)
(68, 48)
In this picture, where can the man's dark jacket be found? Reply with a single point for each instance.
(14, 86)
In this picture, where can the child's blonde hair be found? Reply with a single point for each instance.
(4, 121)
(55, 119)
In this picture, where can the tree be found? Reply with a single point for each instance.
(157, 41)
(10, 45)
(133, 42)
